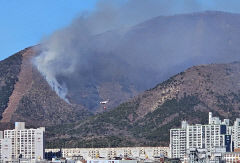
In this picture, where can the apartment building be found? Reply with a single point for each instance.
(5, 149)
(236, 133)
(110, 153)
(178, 141)
(22, 143)
(215, 134)
(208, 136)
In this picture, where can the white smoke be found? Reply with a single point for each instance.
(76, 46)
(44, 63)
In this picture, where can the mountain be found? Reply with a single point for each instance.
(147, 118)
(157, 48)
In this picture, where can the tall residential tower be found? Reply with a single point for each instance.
(22, 143)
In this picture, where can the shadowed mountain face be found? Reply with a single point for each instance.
(116, 65)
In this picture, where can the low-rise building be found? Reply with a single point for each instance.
(230, 157)
(110, 153)
(195, 155)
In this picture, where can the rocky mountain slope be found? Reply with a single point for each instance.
(26, 96)
(147, 118)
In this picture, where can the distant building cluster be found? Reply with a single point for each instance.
(212, 142)
(215, 142)
(21, 143)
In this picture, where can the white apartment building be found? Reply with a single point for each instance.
(236, 133)
(215, 134)
(110, 153)
(22, 143)
(205, 136)
(5, 149)
(178, 140)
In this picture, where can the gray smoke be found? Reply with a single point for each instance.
(113, 40)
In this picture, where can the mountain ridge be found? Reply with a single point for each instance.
(146, 119)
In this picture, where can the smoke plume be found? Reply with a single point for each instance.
(121, 40)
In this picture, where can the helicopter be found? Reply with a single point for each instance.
(104, 103)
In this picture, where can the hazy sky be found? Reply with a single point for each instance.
(25, 22)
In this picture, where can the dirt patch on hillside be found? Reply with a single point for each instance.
(23, 84)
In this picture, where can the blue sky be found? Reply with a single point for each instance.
(25, 22)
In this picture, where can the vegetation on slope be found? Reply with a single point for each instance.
(41, 106)
(9, 70)
(115, 128)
